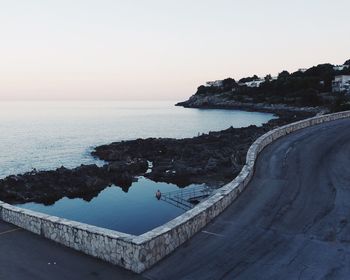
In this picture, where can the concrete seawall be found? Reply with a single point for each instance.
(138, 253)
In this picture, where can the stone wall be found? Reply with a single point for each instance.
(138, 253)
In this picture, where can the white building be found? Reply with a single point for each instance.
(340, 67)
(302, 70)
(341, 84)
(217, 83)
(255, 83)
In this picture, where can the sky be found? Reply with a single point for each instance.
(159, 49)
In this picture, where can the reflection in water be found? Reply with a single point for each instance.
(135, 211)
(46, 135)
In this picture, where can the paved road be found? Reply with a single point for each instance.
(26, 256)
(292, 222)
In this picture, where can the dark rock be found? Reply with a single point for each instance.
(214, 159)
(85, 181)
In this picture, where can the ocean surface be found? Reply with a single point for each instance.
(47, 135)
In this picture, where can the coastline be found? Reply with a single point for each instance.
(218, 101)
(138, 253)
(198, 160)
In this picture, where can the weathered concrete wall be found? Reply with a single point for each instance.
(138, 253)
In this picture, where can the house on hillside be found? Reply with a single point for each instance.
(217, 83)
(340, 67)
(341, 84)
(255, 83)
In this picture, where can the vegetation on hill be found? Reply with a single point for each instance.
(304, 88)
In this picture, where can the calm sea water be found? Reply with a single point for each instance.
(47, 135)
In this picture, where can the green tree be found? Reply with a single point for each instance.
(201, 90)
(249, 79)
(268, 78)
(283, 75)
(229, 84)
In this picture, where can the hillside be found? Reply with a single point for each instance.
(306, 90)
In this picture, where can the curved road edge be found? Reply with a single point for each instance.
(291, 222)
(138, 253)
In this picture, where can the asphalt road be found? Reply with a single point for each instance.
(292, 222)
(26, 256)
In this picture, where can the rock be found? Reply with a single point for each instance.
(212, 165)
(85, 181)
(214, 159)
(221, 101)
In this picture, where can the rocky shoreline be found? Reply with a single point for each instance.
(221, 101)
(213, 159)
(85, 181)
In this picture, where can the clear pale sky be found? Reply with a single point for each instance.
(160, 49)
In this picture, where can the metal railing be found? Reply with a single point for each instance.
(187, 198)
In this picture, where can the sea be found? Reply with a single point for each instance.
(45, 135)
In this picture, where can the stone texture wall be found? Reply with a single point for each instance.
(138, 253)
